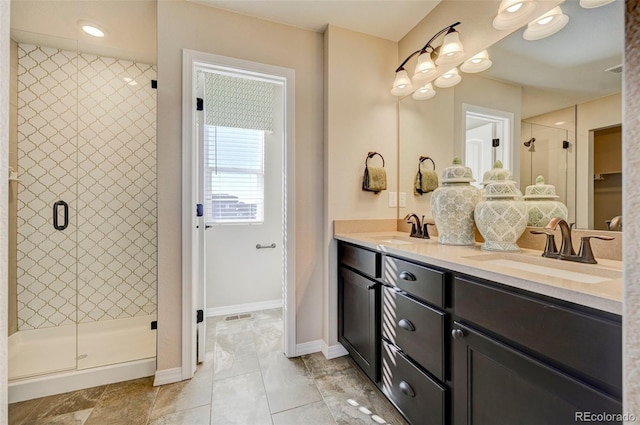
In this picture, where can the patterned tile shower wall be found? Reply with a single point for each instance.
(111, 174)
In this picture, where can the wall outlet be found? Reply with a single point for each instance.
(393, 199)
(402, 199)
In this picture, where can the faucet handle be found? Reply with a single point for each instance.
(550, 249)
(425, 229)
(586, 253)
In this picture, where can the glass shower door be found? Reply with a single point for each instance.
(43, 310)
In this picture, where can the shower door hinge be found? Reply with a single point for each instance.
(199, 316)
(495, 143)
(154, 325)
(154, 84)
(199, 104)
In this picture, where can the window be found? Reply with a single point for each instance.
(234, 175)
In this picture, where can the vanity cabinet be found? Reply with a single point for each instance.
(448, 348)
(510, 348)
(358, 307)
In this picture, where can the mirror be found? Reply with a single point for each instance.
(557, 89)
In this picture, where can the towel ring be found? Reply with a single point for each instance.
(424, 158)
(371, 155)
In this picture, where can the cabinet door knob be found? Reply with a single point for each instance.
(457, 333)
(405, 275)
(406, 325)
(406, 389)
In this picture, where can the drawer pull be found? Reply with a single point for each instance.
(457, 334)
(406, 325)
(406, 389)
(405, 275)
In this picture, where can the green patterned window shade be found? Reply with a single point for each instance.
(238, 102)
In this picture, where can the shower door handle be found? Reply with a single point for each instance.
(55, 215)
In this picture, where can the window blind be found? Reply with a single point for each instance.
(234, 175)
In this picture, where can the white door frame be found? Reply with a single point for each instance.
(191, 59)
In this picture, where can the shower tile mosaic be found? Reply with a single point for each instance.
(86, 129)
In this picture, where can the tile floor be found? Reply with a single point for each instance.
(244, 380)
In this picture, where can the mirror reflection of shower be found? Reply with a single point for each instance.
(531, 144)
(543, 152)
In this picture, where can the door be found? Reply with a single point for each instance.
(357, 318)
(496, 384)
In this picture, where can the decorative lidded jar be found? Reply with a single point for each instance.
(542, 205)
(501, 216)
(453, 203)
(496, 173)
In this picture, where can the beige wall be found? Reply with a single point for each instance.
(191, 26)
(425, 129)
(360, 116)
(631, 208)
(13, 191)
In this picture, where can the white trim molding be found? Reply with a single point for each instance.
(286, 76)
(309, 347)
(167, 376)
(334, 351)
(243, 308)
(42, 386)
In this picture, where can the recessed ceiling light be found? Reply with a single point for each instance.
(92, 29)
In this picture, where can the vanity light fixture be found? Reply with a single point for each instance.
(92, 29)
(425, 92)
(514, 13)
(448, 79)
(477, 63)
(590, 4)
(546, 25)
(426, 69)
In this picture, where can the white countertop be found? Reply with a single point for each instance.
(598, 286)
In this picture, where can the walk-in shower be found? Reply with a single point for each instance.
(82, 304)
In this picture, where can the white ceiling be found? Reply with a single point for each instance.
(569, 65)
(389, 19)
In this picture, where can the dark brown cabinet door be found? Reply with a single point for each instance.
(496, 384)
(358, 319)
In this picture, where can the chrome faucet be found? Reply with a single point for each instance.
(417, 230)
(585, 254)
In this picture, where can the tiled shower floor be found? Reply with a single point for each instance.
(245, 380)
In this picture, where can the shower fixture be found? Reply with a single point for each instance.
(530, 144)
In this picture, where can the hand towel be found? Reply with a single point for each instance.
(425, 181)
(375, 179)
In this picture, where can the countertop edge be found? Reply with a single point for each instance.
(564, 294)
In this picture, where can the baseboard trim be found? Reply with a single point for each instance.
(167, 376)
(243, 308)
(309, 347)
(41, 386)
(334, 351)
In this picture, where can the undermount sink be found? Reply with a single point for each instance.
(398, 240)
(549, 267)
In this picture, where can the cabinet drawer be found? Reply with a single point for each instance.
(417, 329)
(360, 259)
(590, 346)
(420, 399)
(419, 281)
